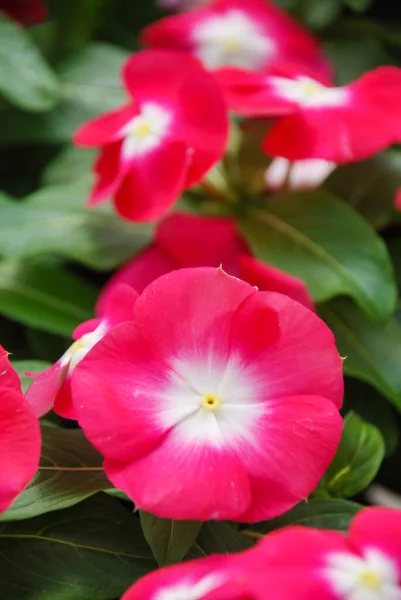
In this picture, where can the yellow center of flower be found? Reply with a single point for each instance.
(370, 580)
(230, 44)
(143, 129)
(77, 345)
(210, 402)
(310, 88)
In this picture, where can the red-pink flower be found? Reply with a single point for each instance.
(19, 437)
(52, 387)
(307, 564)
(338, 124)
(184, 240)
(164, 140)
(206, 405)
(26, 12)
(211, 578)
(250, 34)
(397, 200)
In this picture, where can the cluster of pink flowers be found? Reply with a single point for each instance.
(293, 563)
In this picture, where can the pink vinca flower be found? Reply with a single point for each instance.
(184, 240)
(19, 437)
(26, 12)
(52, 387)
(164, 140)
(206, 405)
(397, 200)
(300, 175)
(211, 578)
(249, 34)
(337, 124)
(302, 563)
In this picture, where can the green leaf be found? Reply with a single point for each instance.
(71, 164)
(321, 240)
(25, 78)
(70, 470)
(322, 514)
(217, 537)
(369, 186)
(93, 551)
(90, 85)
(44, 296)
(29, 366)
(320, 13)
(357, 460)
(54, 220)
(372, 350)
(359, 5)
(170, 540)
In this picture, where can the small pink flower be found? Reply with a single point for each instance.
(26, 12)
(52, 387)
(164, 140)
(337, 124)
(19, 437)
(302, 563)
(184, 240)
(249, 34)
(211, 578)
(397, 200)
(206, 405)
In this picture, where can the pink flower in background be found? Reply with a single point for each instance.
(397, 201)
(164, 140)
(337, 124)
(26, 12)
(306, 564)
(184, 240)
(208, 402)
(19, 436)
(52, 387)
(300, 175)
(249, 34)
(211, 578)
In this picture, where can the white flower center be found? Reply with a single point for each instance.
(213, 401)
(232, 39)
(80, 348)
(308, 92)
(372, 577)
(145, 132)
(192, 591)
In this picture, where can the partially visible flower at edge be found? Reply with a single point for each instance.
(185, 240)
(19, 436)
(26, 12)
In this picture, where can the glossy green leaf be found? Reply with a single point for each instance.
(93, 551)
(70, 470)
(170, 540)
(90, 85)
(320, 13)
(217, 537)
(54, 220)
(321, 240)
(322, 514)
(25, 78)
(28, 366)
(357, 460)
(44, 296)
(372, 350)
(359, 5)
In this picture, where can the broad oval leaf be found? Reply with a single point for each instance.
(89, 85)
(357, 460)
(321, 240)
(25, 78)
(372, 350)
(54, 220)
(70, 470)
(93, 551)
(45, 297)
(217, 537)
(319, 513)
(170, 540)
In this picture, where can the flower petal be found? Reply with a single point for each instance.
(106, 128)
